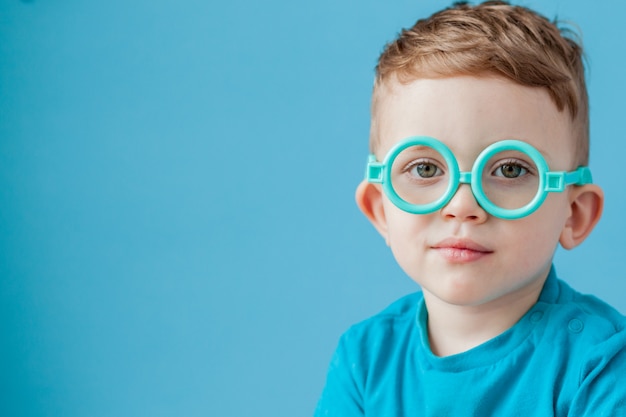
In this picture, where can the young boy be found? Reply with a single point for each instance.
(479, 142)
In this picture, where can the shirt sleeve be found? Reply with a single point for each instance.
(342, 394)
(602, 389)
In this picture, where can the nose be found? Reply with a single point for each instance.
(464, 207)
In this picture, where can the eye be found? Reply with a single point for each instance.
(424, 169)
(511, 169)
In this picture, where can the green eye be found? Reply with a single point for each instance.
(510, 170)
(424, 170)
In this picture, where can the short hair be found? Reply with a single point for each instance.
(498, 38)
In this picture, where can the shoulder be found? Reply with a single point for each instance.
(594, 331)
(400, 312)
(587, 315)
(596, 334)
(374, 343)
(392, 323)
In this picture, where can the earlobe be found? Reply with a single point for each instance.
(586, 204)
(369, 198)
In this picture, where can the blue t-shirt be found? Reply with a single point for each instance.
(565, 357)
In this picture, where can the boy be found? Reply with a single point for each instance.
(479, 142)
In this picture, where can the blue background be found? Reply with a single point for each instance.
(178, 231)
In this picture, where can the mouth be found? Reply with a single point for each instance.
(461, 250)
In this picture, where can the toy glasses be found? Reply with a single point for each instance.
(510, 179)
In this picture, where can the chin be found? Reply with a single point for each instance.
(464, 294)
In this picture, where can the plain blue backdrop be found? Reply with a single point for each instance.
(178, 233)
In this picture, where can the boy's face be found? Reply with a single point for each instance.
(460, 254)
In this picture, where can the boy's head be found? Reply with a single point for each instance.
(471, 78)
(491, 38)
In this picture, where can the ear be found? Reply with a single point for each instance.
(369, 198)
(586, 203)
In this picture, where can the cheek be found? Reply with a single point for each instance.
(403, 227)
(407, 239)
(543, 228)
(553, 213)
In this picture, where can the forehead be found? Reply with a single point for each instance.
(468, 113)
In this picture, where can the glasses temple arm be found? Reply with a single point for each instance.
(375, 170)
(557, 181)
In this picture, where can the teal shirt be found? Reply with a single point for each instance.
(565, 357)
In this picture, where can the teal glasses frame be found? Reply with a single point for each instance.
(549, 181)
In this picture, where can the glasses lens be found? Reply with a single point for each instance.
(510, 179)
(419, 175)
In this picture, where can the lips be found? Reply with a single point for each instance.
(461, 250)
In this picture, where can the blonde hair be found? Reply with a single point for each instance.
(493, 38)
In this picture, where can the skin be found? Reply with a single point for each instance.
(479, 274)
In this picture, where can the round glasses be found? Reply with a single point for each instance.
(510, 179)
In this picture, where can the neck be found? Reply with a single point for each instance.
(454, 329)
